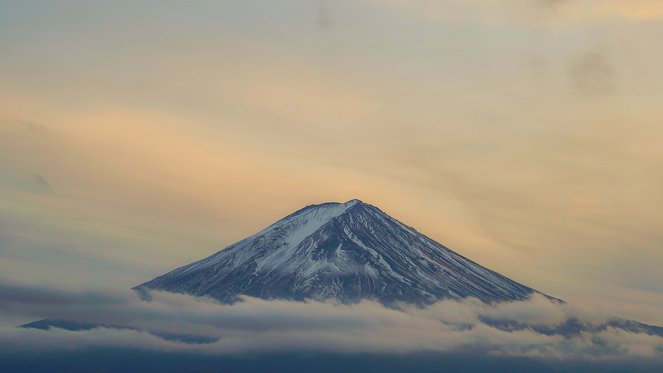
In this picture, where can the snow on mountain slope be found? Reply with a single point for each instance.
(343, 251)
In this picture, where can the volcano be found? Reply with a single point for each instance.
(345, 252)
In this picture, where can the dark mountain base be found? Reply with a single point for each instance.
(46, 324)
(116, 360)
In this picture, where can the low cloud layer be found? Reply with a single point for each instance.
(256, 325)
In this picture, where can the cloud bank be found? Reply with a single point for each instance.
(256, 325)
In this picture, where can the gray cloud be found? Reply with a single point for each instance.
(592, 74)
(324, 17)
(549, 3)
(39, 184)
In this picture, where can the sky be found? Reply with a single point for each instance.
(136, 137)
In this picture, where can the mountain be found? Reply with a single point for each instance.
(342, 251)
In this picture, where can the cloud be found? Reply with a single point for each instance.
(324, 16)
(631, 9)
(39, 184)
(256, 325)
(544, 12)
(592, 74)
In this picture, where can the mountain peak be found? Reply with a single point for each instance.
(343, 251)
(353, 202)
(345, 205)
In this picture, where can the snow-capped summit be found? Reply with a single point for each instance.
(344, 251)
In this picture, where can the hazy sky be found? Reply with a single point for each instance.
(525, 134)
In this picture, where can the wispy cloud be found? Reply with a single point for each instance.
(592, 74)
(545, 12)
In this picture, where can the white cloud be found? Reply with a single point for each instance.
(256, 325)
